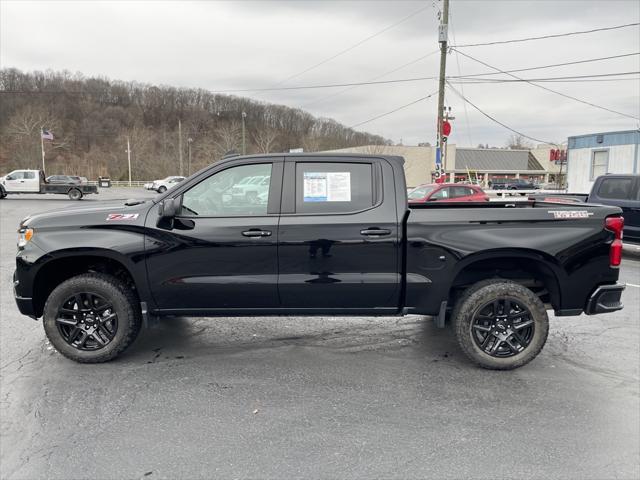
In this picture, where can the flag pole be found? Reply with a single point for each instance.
(42, 147)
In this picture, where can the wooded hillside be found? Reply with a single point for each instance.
(91, 119)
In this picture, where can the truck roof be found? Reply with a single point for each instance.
(396, 160)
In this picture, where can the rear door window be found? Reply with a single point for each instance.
(325, 187)
(442, 194)
(616, 188)
(461, 192)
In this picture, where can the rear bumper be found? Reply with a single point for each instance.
(605, 299)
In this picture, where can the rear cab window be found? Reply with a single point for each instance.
(616, 188)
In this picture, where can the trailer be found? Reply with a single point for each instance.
(33, 181)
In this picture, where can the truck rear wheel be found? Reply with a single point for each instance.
(92, 318)
(500, 324)
(75, 194)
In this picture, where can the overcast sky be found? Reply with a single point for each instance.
(246, 44)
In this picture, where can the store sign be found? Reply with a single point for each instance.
(557, 156)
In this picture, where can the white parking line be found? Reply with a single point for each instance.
(633, 285)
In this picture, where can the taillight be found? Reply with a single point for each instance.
(615, 225)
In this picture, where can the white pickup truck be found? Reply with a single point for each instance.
(33, 181)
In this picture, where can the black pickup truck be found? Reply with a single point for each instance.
(327, 235)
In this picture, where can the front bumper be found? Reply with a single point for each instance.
(25, 304)
(605, 299)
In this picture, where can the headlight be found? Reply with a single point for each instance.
(24, 235)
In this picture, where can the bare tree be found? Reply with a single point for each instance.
(228, 138)
(518, 142)
(265, 139)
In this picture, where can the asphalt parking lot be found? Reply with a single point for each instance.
(316, 397)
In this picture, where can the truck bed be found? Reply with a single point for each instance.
(568, 239)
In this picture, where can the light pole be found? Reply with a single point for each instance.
(189, 142)
(244, 139)
(129, 158)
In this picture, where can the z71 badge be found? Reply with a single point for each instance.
(570, 213)
(121, 216)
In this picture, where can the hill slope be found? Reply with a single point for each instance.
(91, 119)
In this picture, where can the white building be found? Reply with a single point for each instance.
(589, 156)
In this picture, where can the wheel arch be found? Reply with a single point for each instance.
(63, 266)
(534, 269)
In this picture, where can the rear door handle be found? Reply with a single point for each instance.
(256, 233)
(375, 232)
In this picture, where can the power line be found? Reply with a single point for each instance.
(355, 45)
(568, 80)
(553, 65)
(394, 110)
(353, 84)
(331, 95)
(527, 39)
(494, 119)
(549, 89)
(463, 80)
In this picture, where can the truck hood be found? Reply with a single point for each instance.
(130, 212)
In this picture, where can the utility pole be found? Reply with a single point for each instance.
(189, 142)
(442, 38)
(180, 145)
(244, 140)
(129, 157)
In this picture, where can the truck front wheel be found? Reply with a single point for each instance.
(500, 324)
(75, 194)
(92, 318)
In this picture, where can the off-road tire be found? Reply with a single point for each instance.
(75, 194)
(125, 305)
(478, 295)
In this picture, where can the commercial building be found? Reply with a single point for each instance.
(463, 164)
(595, 154)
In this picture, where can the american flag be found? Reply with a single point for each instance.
(47, 135)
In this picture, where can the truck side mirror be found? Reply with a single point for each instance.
(8, 177)
(167, 211)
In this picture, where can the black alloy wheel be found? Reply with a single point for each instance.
(503, 327)
(500, 324)
(87, 321)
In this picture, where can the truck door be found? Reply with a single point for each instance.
(22, 181)
(338, 236)
(222, 250)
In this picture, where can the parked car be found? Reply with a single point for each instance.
(251, 188)
(511, 184)
(447, 192)
(33, 181)
(165, 184)
(620, 190)
(335, 237)
(55, 179)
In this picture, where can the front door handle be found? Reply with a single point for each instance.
(254, 232)
(375, 232)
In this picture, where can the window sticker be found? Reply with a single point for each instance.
(315, 187)
(327, 187)
(339, 186)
